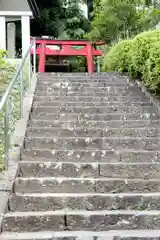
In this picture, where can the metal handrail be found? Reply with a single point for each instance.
(4, 103)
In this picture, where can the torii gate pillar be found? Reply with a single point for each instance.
(90, 62)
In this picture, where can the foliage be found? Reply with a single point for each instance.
(62, 19)
(120, 19)
(139, 57)
(7, 70)
(117, 57)
(151, 72)
(143, 42)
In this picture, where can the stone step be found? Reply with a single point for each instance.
(110, 100)
(84, 201)
(37, 111)
(82, 83)
(83, 76)
(44, 155)
(92, 120)
(64, 143)
(60, 169)
(88, 143)
(85, 82)
(89, 94)
(92, 132)
(65, 132)
(84, 235)
(77, 220)
(76, 89)
(89, 169)
(85, 185)
(88, 104)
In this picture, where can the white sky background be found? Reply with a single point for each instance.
(84, 9)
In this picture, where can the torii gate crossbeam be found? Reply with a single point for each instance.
(44, 47)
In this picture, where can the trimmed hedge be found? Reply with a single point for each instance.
(116, 58)
(139, 56)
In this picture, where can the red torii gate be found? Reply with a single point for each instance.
(43, 48)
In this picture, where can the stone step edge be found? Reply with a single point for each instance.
(106, 114)
(97, 121)
(69, 87)
(109, 138)
(91, 128)
(63, 195)
(50, 102)
(86, 93)
(49, 235)
(86, 107)
(92, 138)
(95, 97)
(47, 162)
(84, 213)
(61, 179)
(93, 164)
(103, 151)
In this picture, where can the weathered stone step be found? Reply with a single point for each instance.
(110, 143)
(76, 89)
(110, 99)
(76, 77)
(44, 155)
(64, 143)
(92, 120)
(92, 132)
(84, 201)
(71, 169)
(84, 235)
(78, 220)
(82, 83)
(85, 185)
(80, 76)
(90, 94)
(88, 104)
(56, 185)
(64, 132)
(37, 111)
(60, 169)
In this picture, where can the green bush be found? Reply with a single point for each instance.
(140, 51)
(140, 57)
(117, 58)
(151, 69)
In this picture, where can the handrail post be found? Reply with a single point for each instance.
(6, 130)
(29, 70)
(34, 57)
(21, 93)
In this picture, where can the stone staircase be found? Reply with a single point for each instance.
(90, 166)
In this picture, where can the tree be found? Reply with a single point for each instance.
(49, 22)
(74, 22)
(119, 19)
(61, 19)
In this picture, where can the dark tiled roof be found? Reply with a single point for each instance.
(34, 8)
